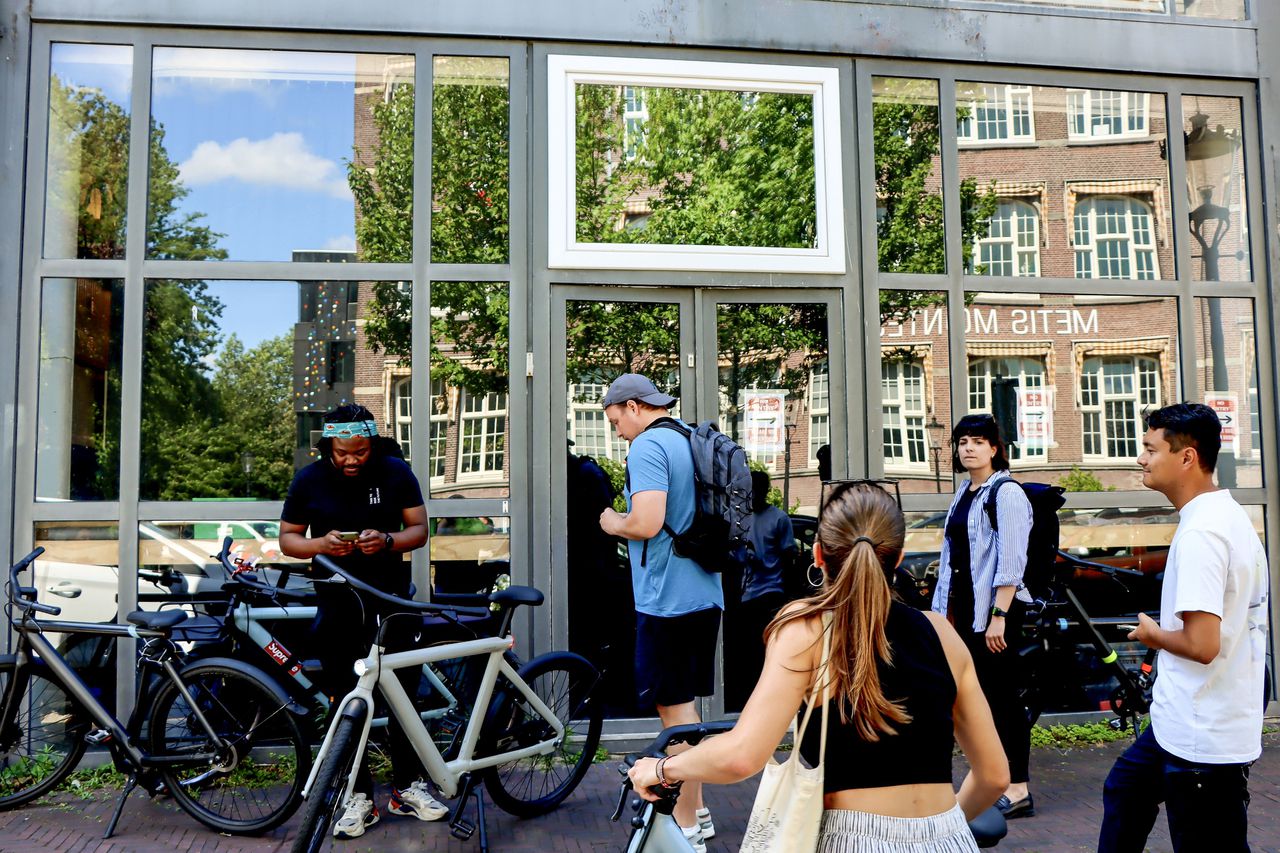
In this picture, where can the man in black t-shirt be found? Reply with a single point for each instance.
(361, 506)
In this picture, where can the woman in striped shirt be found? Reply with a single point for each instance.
(980, 587)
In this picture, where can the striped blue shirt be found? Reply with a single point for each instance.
(996, 558)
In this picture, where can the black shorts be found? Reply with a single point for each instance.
(676, 656)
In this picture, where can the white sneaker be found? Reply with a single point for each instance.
(416, 800)
(693, 834)
(360, 814)
(704, 823)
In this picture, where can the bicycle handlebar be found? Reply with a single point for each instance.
(446, 610)
(24, 597)
(690, 733)
(1098, 567)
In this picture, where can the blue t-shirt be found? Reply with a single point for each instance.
(664, 583)
(772, 538)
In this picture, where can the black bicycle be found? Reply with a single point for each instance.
(215, 734)
(1057, 626)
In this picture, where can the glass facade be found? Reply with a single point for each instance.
(230, 237)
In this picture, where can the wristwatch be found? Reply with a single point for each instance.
(996, 611)
(391, 543)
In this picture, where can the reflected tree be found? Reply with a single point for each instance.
(709, 167)
(180, 318)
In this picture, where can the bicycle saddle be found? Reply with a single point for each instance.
(517, 595)
(158, 620)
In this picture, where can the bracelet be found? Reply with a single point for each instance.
(662, 777)
(996, 611)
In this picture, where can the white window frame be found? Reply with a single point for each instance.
(1005, 97)
(1012, 207)
(1088, 205)
(438, 434)
(565, 72)
(483, 415)
(632, 123)
(1087, 104)
(979, 390)
(1093, 403)
(819, 404)
(909, 420)
(402, 418)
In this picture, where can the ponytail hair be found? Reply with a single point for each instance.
(861, 533)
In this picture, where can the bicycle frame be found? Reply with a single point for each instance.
(378, 670)
(249, 621)
(122, 741)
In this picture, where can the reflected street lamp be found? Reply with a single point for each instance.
(935, 447)
(1209, 224)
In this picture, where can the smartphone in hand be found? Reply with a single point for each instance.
(349, 535)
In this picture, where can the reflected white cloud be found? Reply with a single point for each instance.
(341, 243)
(280, 160)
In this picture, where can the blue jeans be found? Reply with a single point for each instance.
(1206, 804)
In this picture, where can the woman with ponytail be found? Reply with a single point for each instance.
(902, 690)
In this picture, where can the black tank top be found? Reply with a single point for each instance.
(920, 679)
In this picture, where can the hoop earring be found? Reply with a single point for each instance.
(816, 584)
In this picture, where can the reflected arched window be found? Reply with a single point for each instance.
(1114, 392)
(1011, 245)
(1115, 239)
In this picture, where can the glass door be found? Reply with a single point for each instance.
(772, 390)
(759, 364)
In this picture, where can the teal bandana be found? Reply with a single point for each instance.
(357, 429)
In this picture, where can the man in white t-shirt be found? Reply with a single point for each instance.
(1206, 718)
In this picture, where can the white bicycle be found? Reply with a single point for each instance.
(531, 735)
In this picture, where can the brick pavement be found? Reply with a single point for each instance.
(1067, 788)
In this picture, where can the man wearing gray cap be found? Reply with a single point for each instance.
(678, 603)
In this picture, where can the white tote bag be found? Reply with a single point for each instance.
(787, 812)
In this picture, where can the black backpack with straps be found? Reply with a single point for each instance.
(722, 514)
(1042, 544)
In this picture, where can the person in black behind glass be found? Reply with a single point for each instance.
(361, 485)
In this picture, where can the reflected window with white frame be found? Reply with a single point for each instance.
(902, 401)
(1251, 393)
(404, 418)
(1107, 114)
(1115, 239)
(1114, 392)
(634, 115)
(483, 434)
(819, 410)
(589, 427)
(439, 429)
(996, 113)
(1011, 246)
(1030, 374)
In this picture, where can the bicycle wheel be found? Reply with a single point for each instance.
(532, 786)
(43, 742)
(254, 781)
(325, 798)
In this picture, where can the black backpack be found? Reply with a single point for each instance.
(1042, 544)
(722, 515)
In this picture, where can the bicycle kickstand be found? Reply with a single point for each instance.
(124, 795)
(460, 827)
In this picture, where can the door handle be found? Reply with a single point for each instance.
(65, 590)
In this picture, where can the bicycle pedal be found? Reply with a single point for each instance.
(97, 737)
(462, 829)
